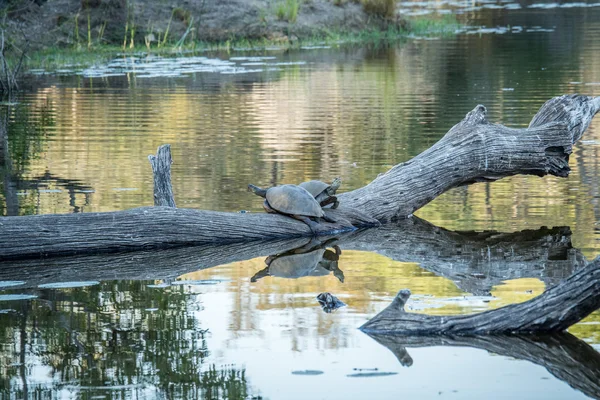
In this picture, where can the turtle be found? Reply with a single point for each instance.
(323, 192)
(329, 302)
(292, 200)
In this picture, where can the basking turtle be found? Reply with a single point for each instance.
(291, 200)
(323, 192)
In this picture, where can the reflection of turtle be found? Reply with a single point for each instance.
(323, 192)
(309, 260)
(329, 302)
(291, 200)
(330, 262)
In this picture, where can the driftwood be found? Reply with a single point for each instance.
(553, 311)
(472, 151)
(563, 355)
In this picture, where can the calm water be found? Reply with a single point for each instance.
(125, 326)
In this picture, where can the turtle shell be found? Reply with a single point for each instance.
(314, 187)
(294, 200)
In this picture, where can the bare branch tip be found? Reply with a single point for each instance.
(401, 299)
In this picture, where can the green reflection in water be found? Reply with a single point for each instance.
(115, 339)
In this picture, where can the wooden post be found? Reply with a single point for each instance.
(161, 170)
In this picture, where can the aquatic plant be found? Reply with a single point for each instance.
(54, 58)
(189, 29)
(129, 27)
(166, 36)
(443, 24)
(76, 29)
(89, 31)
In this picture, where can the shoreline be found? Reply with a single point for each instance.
(61, 32)
(50, 59)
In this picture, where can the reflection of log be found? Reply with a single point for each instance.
(474, 150)
(150, 264)
(476, 261)
(567, 358)
(553, 311)
(460, 256)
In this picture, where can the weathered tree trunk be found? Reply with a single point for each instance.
(563, 355)
(472, 151)
(553, 311)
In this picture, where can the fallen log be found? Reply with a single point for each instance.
(474, 150)
(553, 311)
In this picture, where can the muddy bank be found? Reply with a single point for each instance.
(150, 23)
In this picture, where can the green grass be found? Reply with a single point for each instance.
(287, 10)
(53, 58)
(446, 24)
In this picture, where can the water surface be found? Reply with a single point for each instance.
(127, 326)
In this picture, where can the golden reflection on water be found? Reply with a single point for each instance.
(353, 117)
(372, 280)
(352, 113)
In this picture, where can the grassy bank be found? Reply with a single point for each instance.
(94, 53)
